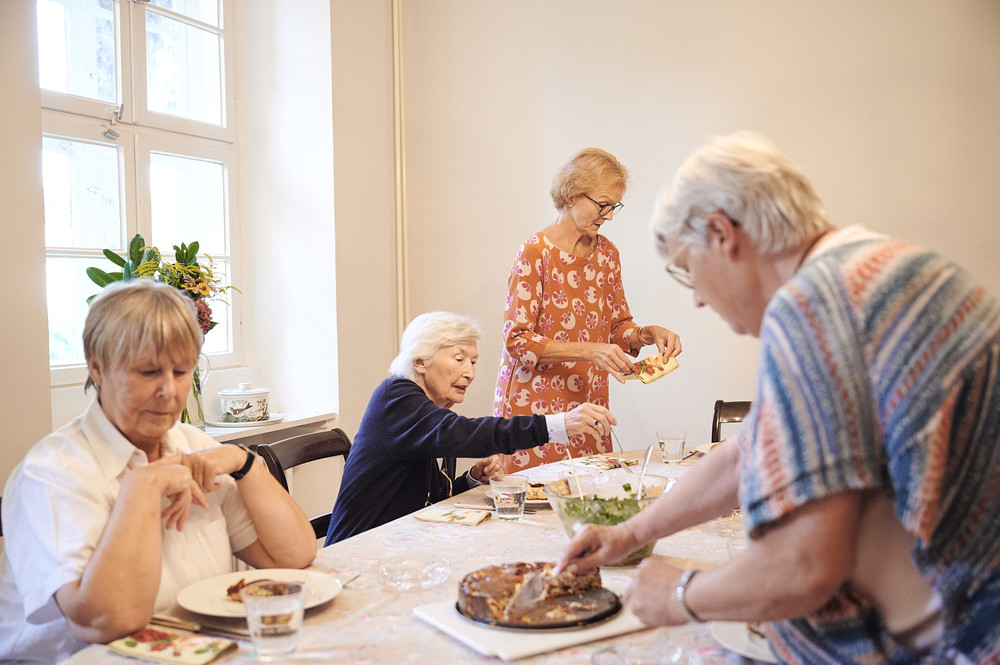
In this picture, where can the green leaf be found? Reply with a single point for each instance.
(192, 258)
(114, 258)
(128, 272)
(135, 247)
(101, 278)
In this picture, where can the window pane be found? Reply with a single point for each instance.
(219, 338)
(82, 194)
(76, 48)
(188, 203)
(183, 75)
(206, 11)
(67, 290)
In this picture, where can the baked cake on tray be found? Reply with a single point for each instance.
(570, 598)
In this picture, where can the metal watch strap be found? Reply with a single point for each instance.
(680, 592)
(245, 469)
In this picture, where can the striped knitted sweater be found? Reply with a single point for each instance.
(880, 369)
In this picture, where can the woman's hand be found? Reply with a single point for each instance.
(667, 341)
(595, 545)
(177, 485)
(482, 470)
(209, 463)
(610, 357)
(650, 594)
(589, 419)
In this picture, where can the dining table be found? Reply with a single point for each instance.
(369, 622)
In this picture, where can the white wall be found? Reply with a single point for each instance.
(24, 370)
(893, 108)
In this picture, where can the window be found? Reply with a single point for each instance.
(138, 138)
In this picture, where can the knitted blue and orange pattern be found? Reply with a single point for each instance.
(880, 369)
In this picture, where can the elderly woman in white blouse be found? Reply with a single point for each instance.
(108, 518)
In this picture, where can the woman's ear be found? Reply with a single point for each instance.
(95, 372)
(419, 365)
(722, 233)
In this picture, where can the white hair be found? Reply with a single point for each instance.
(428, 333)
(744, 176)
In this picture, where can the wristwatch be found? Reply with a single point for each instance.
(680, 591)
(245, 469)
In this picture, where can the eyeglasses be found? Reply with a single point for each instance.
(683, 276)
(605, 208)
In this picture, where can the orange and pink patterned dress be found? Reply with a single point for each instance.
(556, 296)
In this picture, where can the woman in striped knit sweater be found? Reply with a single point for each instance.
(868, 469)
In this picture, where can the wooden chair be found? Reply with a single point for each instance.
(727, 412)
(280, 456)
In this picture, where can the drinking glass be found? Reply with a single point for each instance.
(274, 616)
(509, 494)
(671, 444)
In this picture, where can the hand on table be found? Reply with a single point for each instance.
(650, 594)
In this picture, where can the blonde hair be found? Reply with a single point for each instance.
(428, 333)
(587, 170)
(140, 319)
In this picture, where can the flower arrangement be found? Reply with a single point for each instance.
(198, 281)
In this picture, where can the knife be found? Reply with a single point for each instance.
(167, 621)
(527, 596)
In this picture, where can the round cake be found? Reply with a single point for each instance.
(484, 593)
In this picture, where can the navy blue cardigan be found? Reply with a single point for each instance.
(392, 466)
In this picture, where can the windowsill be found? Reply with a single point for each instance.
(291, 424)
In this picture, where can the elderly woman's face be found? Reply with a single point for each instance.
(144, 399)
(586, 209)
(447, 376)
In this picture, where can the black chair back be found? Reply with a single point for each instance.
(727, 412)
(280, 456)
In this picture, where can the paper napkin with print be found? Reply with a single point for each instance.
(453, 516)
(154, 644)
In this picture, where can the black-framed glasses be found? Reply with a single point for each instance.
(605, 208)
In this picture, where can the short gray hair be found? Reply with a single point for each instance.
(744, 176)
(428, 333)
(140, 319)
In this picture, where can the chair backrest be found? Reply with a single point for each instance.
(280, 456)
(727, 412)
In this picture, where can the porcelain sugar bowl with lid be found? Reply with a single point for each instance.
(244, 404)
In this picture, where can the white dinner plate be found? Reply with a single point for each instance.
(273, 418)
(734, 636)
(209, 596)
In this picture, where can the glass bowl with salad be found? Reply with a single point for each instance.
(604, 498)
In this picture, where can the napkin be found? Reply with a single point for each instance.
(169, 647)
(453, 516)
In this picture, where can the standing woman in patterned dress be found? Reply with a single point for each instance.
(567, 324)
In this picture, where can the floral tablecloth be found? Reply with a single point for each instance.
(369, 623)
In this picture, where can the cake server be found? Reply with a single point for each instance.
(528, 595)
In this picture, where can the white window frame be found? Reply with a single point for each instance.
(140, 133)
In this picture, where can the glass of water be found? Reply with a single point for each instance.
(274, 616)
(671, 444)
(509, 495)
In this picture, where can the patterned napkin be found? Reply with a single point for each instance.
(155, 644)
(453, 516)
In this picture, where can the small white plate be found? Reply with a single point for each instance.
(273, 418)
(734, 636)
(209, 596)
(534, 503)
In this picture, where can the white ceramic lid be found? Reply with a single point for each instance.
(243, 390)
